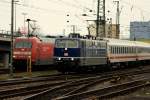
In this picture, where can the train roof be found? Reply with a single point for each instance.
(87, 39)
(118, 42)
(44, 39)
(126, 42)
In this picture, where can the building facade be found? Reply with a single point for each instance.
(139, 30)
(110, 30)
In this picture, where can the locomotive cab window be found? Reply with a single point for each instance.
(23, 44)
(66, 43)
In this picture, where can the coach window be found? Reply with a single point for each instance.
(114, 50)
(110, 49)
(125, 50)
(128, 49)
(121, 50)
(139, 50)
(133, 49)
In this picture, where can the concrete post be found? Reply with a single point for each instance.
(6, 60)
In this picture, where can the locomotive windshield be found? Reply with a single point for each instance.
(23, 44)
(66, 43)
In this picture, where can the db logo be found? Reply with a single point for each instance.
(65, 54)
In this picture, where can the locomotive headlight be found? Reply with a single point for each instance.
(59, 58)
(72, 59)
(14, 56)
(66, 48)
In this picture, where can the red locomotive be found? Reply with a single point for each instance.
(39, 50)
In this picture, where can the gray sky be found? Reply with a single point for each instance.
(52, 17)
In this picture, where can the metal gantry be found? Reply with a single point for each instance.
(117, 20)
(100, 22)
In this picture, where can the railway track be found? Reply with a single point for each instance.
(56, 77)
(29, 86)
(58, 86)
(80, 86)
(108, 92)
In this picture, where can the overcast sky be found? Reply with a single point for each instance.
(52, 17)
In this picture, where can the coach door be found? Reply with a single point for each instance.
(83, 52)
(38, 54)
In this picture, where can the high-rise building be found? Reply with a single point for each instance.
(139, 30)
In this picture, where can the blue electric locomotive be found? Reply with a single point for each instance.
(78, 54)
(73, 54)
